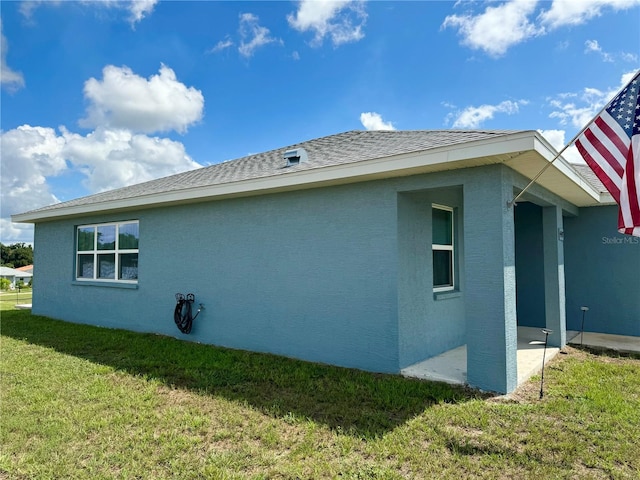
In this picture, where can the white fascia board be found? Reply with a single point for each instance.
(607, 199)
(560, 164)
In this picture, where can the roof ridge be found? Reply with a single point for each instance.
(331, 150)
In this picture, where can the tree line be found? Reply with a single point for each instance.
(16, 255)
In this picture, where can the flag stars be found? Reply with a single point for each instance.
(622, 118)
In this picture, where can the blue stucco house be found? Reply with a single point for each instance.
(365, 249)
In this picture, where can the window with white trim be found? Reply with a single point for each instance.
(107, 252)
(442, 244)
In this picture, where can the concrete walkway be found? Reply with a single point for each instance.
(451, 366)
(620, 343)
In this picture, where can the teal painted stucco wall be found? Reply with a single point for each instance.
(529, 267)
(490, 287)
(602, 268)
(429, 323)
(338, 275)
(309, 274)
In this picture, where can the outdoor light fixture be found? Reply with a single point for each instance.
(584, 310)
(546, 332)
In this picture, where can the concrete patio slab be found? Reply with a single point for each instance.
(451, 366)
(448, 367)
(620, 343)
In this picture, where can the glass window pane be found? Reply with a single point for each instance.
(128, 266)
(85, 238)
(442, 226)
(84, 266)
(107, 265)
(128, 236)
(442, 268)
(107, 237)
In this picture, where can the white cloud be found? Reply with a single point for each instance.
(137, 9)
(578, 109)
(29, 156)
(557, 140)
(27, 7)
(253, 35)
(593, 46)
(106, 159)
(340, 20)
(115, 158)
(576, 12)
(123, 99)
(473, 117)
(221, 45)
(500, 27)
(629, 57)
(15, 232)
(114, 155)
(554, 137)
(140, 8)
(373, 121)
(497, 28)
(10, 79)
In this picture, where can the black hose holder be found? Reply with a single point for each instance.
(182, 314)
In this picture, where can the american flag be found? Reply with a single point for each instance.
(611, 147)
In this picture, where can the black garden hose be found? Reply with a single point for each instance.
(182, 314)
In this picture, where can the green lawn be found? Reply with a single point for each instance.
(85, 402)
(9, 299)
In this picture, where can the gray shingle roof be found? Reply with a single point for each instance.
(589, 176)
(342, 148)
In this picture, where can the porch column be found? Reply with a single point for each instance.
(554, 292)
(489, 287)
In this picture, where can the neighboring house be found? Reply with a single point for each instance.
(14, 275)
(26, 268)
(366, 249)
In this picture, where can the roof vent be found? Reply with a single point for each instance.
(295, 156)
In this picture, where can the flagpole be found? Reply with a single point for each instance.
(533, 180)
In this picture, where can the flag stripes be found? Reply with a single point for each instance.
(611, 147)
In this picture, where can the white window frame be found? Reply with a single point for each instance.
(450, 248)
(116, 251)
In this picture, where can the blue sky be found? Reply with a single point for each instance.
(102, 94)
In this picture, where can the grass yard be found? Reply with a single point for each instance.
(84, 402)
(9, 299)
